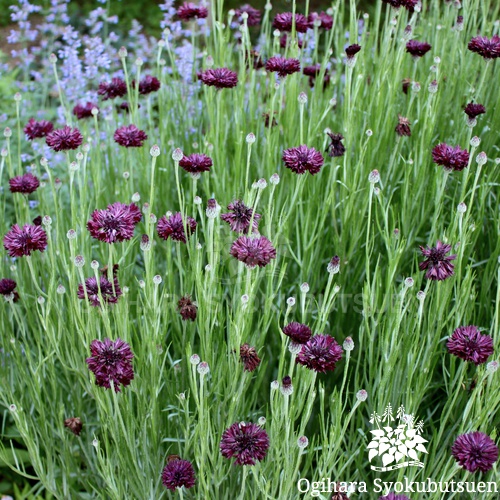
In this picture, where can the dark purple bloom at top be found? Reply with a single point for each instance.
(116, 88)
(240, 216)
(196, 163)
(297, 332)
(149, 84)
(25, 184)
(409, 5)
(109, 291)
(8, 287)
(129, 136)
(469, 344)
(220, 78)
(403, 126)
(393, 496)
(475, 451)
(64, 139)
(173, 227)
(20, 242)
(417, 49)
(352, 50)
(82, 111)
(323, 17)
(178, 473)
(320, 353)
(253, 251)
(189, 10)
(451, 158)
(437, 264)
(473, 110)
(114, 224)
(246, 441)
(303, 159)
(35, 130)
(253, 18)
(111, 361)
(489, 49)
(282, 66)
(187, 308)
(335, 148)
(283, 22)
(249, 358)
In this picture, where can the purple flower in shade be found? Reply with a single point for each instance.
(437, 264)
(489, 49)
(246, 441)
(320, 353)
(335, 148)
(187, 308)
(393, 496)
(37, 221)
(220, 78)
(111, 361)
(149, 84)
(469, 344)
(64, 139)
(240, 216)
(283, 22)
(178, 473)
(253, 251)
(249, 358)
(393, 3)
(282, 66)
(116, 88)
(475, 451)
(474, 110)
(25, 184)
(298, 333)
(352, 50)
(129, 136)
(74, 424)
(253, 18)
(173, 227)
(417, 49)
(409, 5)
(451, 158)
(196, 163)
(303, 159)
(82, 111)
(189, 10)
(403, 126)
(20, 242)
(36, 130)
(325, 20)
(110, 292)
(114, 224)
(312, 71)
(8, 287)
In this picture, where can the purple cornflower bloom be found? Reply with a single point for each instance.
(451, 158)
(240, 216)
(116, 88)
(283, 22)
(82, 111)
(254, 15)
(303, 159)
(335, 148)
(220, 78)
(417, 49)
(249, 358)
(114, 224)
(323, 17)
(246, 441)
(489, 49)
(352, 50)
(37, 129)
(178, 473)
(7, 287)
(475, 451)
(20, 242)
(187, 308)
(74, 424)
(409, 5)
(196, 163)
(149, 84)
(253, 251)
(64, 139)
(173, 227)
(469, 344)
(282, 66)
(111, 361)
(473, 110)
(25, 184)
(437, 264)
(110, 292)
(129, 136)
(298, 333)
(320, 353)
(189, 10)
(403, 126)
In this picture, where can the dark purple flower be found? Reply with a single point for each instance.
(220, 78)
(352, 50)
(114, 224)
(25, 184)
(253, 18)
(437, 264)
(325, 20)
(246, 441)
(74, 424)
(283, 22)
(303, 159)
(320, 353)
(173, 227)
(196, 163)
(405, 83)
(240, 216)
(253, 251)
(189, 10)
(35, 130)
(298, 333)
(403, 126)
(129, 136)
(82, 111)
(178, 473)
(469, 344)
(111, 361)
(451, 158)
(116, 88)
(110, 292)
(474, 110)
(409, 5)
(187, 308)
(149, 84)
(475, 451)
(335, 148)
(37, 221)
(489, 49)
(8, 287)
(393, 496)
(20, 242)
(282, 66)
(417, 49)
(64, 139)
(249, 358)
(312, 70)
